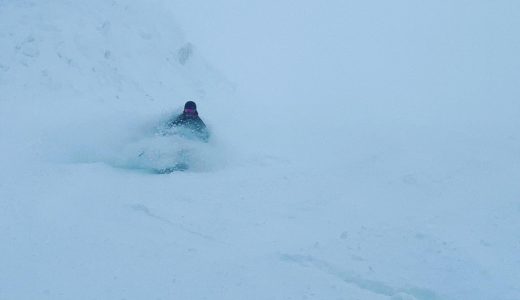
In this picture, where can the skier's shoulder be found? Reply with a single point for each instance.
(198, 119)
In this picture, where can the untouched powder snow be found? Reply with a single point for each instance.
(359, 150)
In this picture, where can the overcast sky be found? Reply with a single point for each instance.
(442, 59)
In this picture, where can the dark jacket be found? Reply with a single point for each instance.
(193, 124)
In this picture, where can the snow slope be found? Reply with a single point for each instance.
(389, 172)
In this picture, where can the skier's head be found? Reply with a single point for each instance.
(190, 108)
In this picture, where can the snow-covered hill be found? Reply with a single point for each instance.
(329, 175)
(83, 71)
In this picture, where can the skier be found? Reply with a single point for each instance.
(190, 123)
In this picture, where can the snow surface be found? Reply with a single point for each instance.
(360, 150)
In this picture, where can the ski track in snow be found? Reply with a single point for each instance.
(140, 208)
(373, 286)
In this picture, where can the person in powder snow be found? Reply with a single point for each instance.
(190, 121)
